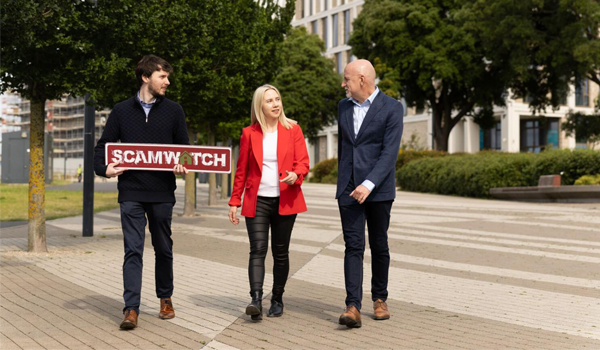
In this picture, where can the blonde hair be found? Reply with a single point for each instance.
(256, 112)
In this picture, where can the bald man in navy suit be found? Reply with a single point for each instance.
(369, 132)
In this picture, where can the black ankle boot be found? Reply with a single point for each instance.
(254, 309)
(276, 308)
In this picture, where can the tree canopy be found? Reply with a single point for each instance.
(309, 86)
(463, 57)
(437, 58)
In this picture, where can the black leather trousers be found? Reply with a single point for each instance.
(258, 231)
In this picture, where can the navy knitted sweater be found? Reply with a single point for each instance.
(127, 123)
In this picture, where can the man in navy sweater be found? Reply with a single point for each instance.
(147, 117)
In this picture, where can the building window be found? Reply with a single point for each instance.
(315, 27)
(491, 138)
(346, 26)
(325, 32)
(539, 134)
(325, 7)
(301, 5)
(582, 93)
(335, 31)
(310, 7)
(338, 62)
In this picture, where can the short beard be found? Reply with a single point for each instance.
(154, 93)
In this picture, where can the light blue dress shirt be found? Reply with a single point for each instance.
(145, 106)
(359, 113)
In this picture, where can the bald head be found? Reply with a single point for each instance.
(363, 67)
(359, 80)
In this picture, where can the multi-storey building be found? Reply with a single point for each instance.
(517, 128)
(64, 120)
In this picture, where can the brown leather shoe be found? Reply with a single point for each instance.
(166, 309)
(381, 311)
(130, 321)
(351, 317)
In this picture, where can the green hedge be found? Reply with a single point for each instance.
(472, 175)
(325, 171)
(405, 156)
(588, 180)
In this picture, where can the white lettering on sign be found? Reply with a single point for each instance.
(128, 160)
(166, 157)
(140, 157)
(155, 158)
(172, 157)
(117, 156)
(222, 159)
(204, 162)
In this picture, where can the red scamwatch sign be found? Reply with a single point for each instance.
(151, 156)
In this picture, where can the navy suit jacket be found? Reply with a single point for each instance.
(372, 154)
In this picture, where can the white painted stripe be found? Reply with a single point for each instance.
(499, 249)
(496, 240)
(216, 345)
(487, 270)
(505, 235)
(528, 307)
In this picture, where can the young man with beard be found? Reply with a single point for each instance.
(147, 117)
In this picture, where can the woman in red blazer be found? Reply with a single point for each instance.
(272, 164)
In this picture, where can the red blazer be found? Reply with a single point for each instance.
(291, 156)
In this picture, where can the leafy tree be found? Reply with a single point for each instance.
(309, 86)
(48, 49)
(544, 46)
(436, 56)
(584, 127)
(231, 49)
(547, 46)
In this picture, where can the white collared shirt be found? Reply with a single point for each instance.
(360, 110)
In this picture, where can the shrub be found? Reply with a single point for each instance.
(588, 180)
(472, 175)
(325, 171)
(405, 156)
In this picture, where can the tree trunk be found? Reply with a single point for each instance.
(190, 182)
(224, 184)
(441, 142)
(37, 187)
(212, 178)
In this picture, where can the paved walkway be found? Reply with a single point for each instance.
(465, 274)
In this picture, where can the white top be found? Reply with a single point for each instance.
(269, 182)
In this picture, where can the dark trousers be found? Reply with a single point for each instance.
(258, 232)
(377, 217)
(133, 221)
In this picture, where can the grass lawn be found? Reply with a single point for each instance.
(59, 204)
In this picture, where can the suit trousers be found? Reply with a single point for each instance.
(267, 214)
(133, 221)
(377, 217)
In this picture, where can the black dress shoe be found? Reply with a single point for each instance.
(276, 309)
(254, 309)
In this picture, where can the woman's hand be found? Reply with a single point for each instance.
(232, 215)
(290, 179)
